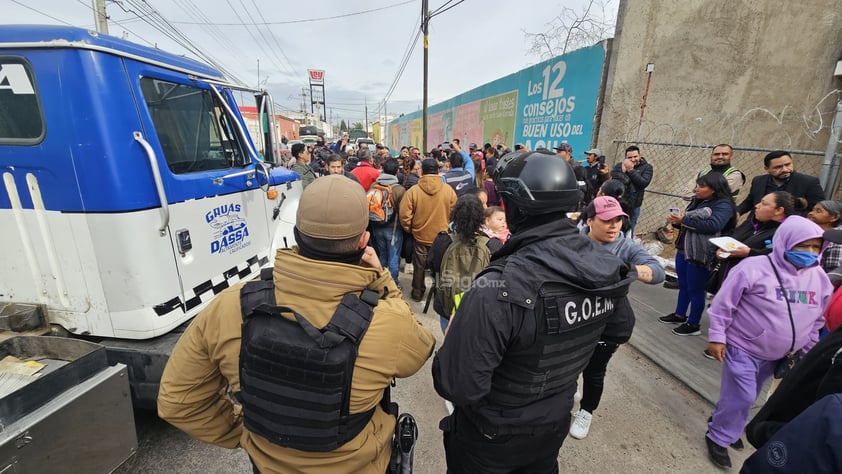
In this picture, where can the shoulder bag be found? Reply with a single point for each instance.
(792, 357)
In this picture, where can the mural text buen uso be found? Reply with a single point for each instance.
(541, 106)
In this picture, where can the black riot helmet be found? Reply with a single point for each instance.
(535, 183)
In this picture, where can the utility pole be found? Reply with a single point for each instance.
(425, 24)
(100, 20)
(304, 100)
(366, 117)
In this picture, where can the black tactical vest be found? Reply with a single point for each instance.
(569, 323)
(295, 380)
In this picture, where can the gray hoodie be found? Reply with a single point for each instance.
(632, 253)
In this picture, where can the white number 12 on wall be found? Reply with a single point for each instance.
(554, 91)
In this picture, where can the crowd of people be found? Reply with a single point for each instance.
(770, 282)
(532, 254)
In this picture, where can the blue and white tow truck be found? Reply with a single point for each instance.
(131, 195)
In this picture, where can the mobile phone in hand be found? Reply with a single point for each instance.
(675, 211)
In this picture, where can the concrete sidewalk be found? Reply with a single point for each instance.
(680, 356)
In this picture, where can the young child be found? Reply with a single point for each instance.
(495, 224)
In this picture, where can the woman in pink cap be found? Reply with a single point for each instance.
(604, 223)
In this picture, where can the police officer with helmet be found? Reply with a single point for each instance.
(527, 327)
(293, 367)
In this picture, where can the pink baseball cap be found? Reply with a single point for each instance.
(607, 208)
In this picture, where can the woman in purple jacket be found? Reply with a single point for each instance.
(755, 319)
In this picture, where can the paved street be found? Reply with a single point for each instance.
(649, 420)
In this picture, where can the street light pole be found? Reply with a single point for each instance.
(425, 28)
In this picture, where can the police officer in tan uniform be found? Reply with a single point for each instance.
(202, 378)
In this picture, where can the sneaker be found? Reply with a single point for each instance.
(581, 424)
(408, 269)
(672, 318)
(707, 354)
(718, 455)
(671, 285)
(687, 329)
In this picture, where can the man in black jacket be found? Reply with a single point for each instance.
(781, 176)
(527, 327)
(636, 174)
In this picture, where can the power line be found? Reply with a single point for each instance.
(40, 12)
(120, 23)
(218, 34)
(155, 19)
(410, 47)
(414, 41)
(277, 43)
(359, 111)
(401, 70)
(439, 10)
(308, 20)
(440, 7)
(350, 104)
(262, 44)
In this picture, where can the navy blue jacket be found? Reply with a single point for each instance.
(812, 442)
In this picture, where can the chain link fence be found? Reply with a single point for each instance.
(676, 165)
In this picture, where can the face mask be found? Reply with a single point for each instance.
(800, 258)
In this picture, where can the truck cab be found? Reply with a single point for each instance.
(131, 192)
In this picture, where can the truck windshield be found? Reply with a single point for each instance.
(194, 131)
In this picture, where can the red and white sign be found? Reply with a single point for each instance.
(317, 76)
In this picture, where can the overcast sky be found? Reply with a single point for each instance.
(472, 43)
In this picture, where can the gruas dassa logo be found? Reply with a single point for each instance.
(230, 231)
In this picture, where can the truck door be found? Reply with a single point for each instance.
(217, 212)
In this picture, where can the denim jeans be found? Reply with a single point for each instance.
(389, 252)
(633, 220)
(691, 289)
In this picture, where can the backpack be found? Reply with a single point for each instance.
(461, 263)
(380, 206)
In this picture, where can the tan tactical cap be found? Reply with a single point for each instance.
(332, 208)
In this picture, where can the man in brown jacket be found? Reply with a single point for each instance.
(201, 382)
(425, 211)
